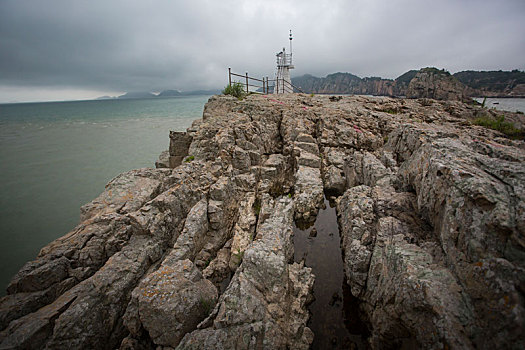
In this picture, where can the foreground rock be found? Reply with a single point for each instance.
(198, 253)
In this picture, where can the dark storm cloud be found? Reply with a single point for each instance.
(154, 45)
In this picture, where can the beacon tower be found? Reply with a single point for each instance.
(283, 82)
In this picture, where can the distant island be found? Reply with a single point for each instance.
(165, 93)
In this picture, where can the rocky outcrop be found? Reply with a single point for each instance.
(436, 84)
(199, 252)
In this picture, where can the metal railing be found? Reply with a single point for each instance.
(265, 83)
(282, 85)
(247, 81)
(284, 59)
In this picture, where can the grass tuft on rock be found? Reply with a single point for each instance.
(500, 125)
(235, 89)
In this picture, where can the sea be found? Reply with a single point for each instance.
(57, 156)
(505, 104)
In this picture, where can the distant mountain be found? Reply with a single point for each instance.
(169, 93)
(425, 82)
(494, 83)
(128, 95)
(165, 93)
(345, 83)
(337, 83)
(202, 92)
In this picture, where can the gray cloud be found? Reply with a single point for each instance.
(155, 45)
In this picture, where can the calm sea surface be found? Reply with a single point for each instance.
(506, 104)
(57, 156)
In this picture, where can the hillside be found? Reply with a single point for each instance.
(494, 83)
(470, 83)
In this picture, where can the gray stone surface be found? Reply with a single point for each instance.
(264, 305)
(431, 211)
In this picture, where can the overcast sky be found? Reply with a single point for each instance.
(57, 50)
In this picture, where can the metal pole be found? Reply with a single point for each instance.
(247, 82)
(230, 76)
(290, 46)
(264, 86)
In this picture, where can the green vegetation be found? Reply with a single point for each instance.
(500, 125)
(496, 81)
(236, 90)
(239, 255)
(390, 111)
(206, 305)
(434, 70)
(406, 77)
(257, 206)
(483, 103)
(189, 159)
(425, 102)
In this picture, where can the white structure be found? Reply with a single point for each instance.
(283, 82)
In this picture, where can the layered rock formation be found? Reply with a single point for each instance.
(436, 84)
(199, 254)
(424, 83)
(346, 83)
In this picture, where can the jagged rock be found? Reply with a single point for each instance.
(170, 302)
(383, 268)
(334, 180)
(164, 160)
(126, 193)
(308, 192)
(244, 230)
(218, 269)
(191, 240)
(179, 146)
(252, 311)
(431, 213)
(436, 84)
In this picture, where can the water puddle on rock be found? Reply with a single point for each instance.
(334, 315)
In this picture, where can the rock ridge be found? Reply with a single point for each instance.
(198, 253)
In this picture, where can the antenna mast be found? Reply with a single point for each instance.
(291, 46)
